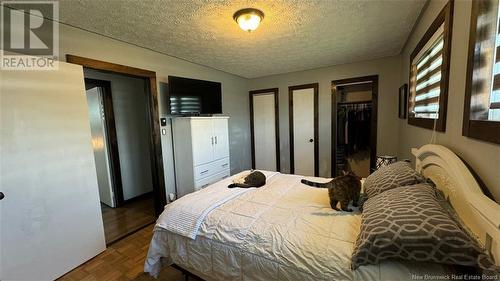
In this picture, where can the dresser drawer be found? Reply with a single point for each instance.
(211, 179)
(209, 169)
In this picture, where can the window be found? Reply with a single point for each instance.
(482, 92)
(429, 67)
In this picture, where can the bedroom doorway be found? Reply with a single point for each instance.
(303, 114)
(354, 125)
(118, 120)
(126, 142)
(264, 129)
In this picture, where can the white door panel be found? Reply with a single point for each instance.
(303, 130)
(264, 132)
(50, 217)
(221, 141)
(203, 141)
(100, 145)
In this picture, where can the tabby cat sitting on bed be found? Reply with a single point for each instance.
(254, 179)
(341, 189)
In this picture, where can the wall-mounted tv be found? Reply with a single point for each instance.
(188, 97)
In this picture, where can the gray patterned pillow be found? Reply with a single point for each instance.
(410, 224)
(389, 177)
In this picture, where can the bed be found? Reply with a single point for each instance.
(287, 231)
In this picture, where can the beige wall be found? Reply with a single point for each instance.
(395, 136)
(388, 71)
(483, 157)
(234, 88)
(358, 96)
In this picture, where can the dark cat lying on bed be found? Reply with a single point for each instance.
(254, 179)
(341, 189)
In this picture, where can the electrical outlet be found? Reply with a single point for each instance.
(171, 196)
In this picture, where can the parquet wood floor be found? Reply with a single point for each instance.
(123, 260)
(123, 220)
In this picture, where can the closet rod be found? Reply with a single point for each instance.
(355, 102)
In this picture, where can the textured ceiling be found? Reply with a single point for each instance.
(294, 35)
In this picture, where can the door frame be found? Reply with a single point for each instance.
(111, 138)
(314, 86)
(155, 150)
(373, 124)
(275, 92)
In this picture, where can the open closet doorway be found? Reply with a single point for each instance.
(118, 120)
(123, 117)
(354, 125)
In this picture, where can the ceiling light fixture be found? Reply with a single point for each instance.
(248, 19)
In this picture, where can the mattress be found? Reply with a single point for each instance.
(282, 231)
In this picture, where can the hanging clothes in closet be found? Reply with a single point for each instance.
(353, 126)
(353, 130)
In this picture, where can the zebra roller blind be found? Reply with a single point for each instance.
(429, 67)
(493, 103)
(485, 102)
(426, 79)
(482, 91)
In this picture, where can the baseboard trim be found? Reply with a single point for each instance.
(137, 198)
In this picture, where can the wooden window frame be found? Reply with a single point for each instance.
(478, 129)
(444, 17)
(403, 101)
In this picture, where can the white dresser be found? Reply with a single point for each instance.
(201, 152)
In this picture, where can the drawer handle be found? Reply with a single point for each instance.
(224, 165)
(204, 172)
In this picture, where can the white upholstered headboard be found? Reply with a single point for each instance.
(451, 175)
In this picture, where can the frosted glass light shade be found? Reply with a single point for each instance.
(248, 19)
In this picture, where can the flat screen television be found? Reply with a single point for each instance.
(191, 97)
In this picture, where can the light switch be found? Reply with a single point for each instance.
(163, 131)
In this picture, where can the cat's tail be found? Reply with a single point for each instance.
(243, 185)
(315, 184)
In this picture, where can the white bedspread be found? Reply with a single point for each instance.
(282, 231)
(185, 216)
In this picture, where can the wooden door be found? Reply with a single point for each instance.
(100, 145)
(203, 140)
(304, 129)
(50, 217)
(221, 141)
(265, 132)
